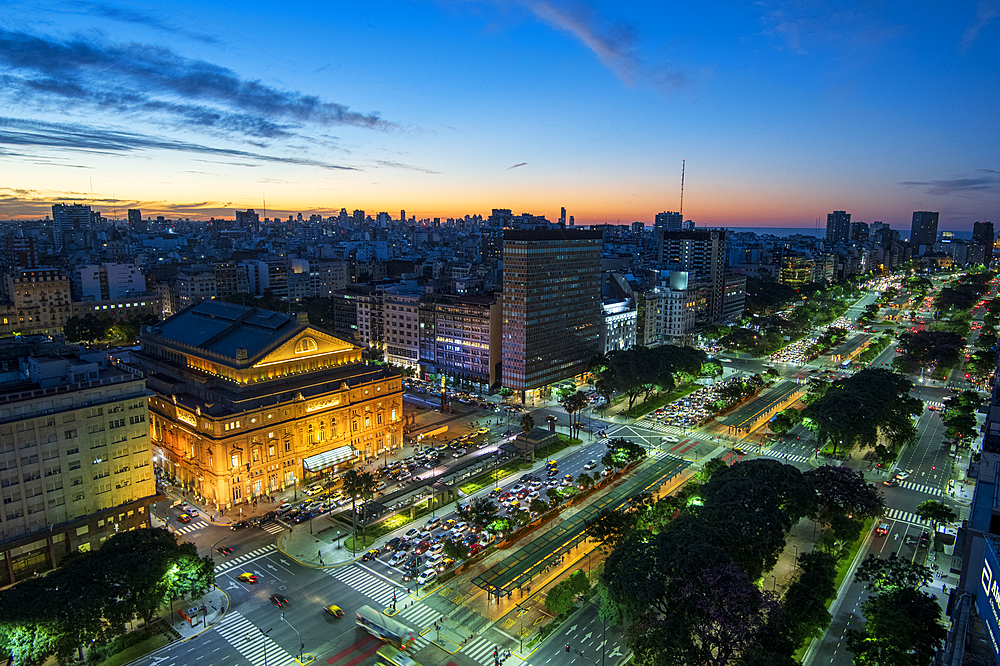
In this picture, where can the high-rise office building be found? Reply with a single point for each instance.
(983, 234)
(248, 220)
(551, 305)
(668, 221)
(838, 227)
(135, 222)
(859, 232)
(562, 217)
(702, 254)
(70, 217)
(924, 229)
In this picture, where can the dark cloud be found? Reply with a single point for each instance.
(160, 88)
(132, 16)
(519, 164)
(957, 185)
(19, 132)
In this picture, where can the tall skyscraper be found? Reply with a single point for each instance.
(668, 221)
(562, 217)
(702, 254)
(924, 229)
(838, 227)
(982, 232)
(69, 217)
(551, 305)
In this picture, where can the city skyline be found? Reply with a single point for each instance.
(783, 112)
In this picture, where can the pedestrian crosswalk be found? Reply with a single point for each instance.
(783, 455)
(424, 617)
(251, 642)
(191, 527)
(273, 528)
(378, 589)
(907, 517)
(252, 555)
(937, 405)
(420, 615)
(920, 488)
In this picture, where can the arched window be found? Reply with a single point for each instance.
(306, 346)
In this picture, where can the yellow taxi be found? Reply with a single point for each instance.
(334, 610)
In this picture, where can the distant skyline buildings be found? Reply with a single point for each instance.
(838, 227)
(924, 228)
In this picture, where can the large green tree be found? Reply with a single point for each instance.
(902, 627)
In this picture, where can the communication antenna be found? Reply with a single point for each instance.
(263, 200)
(682, 192)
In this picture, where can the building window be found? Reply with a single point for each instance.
(236, 460)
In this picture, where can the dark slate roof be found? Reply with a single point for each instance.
(223, 328)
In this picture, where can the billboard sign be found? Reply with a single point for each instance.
(988, 596)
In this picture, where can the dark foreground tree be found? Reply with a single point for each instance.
(902, 627)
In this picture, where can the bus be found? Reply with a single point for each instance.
(385, 628)
(846, 364)
(394, 657)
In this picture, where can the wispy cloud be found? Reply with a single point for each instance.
(803, 26)
(139, 18)
(19, 132)
(399, 165)
(956, 185)
(519, 164)
(614, 43)
(986, 11)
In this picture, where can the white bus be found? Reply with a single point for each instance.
(385, 628)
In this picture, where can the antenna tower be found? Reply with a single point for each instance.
(682, 192)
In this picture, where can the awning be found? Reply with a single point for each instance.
(329, 458)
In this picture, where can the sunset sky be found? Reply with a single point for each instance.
(784, 111)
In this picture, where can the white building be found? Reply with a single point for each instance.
(102, 282)
(619, 330)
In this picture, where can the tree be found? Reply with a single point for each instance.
(936, 512)
(579, 582)
(538, 506)
(456, 550)
(357, 485)
(902, 627)
(805, 612)
(527, 423)
(573, 402)
(585, 480)
(559, 599)
(841, 491)
(892, 573)
(482, 511)
(622, 453)
(937, 348)
(611, 526)
(554, 496)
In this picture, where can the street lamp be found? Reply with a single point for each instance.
(301, 644)
(212, 553)
(265, 634)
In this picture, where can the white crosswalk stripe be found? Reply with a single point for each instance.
(249, 642)
(420, 615)
(229, 564)
(419, 642)
(921, 488)
(781, 455)
(480, 650)
(191, 527)
(273, 528)
(907, 517)
(367, 584)
(935, 404)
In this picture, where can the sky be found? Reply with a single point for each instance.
(782, 111)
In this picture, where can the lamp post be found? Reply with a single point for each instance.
(796, 562)
(265, 635)
(301, 644)
(212, 553)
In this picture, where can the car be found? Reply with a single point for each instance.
(882, 529)
(552, 463)
(671, 439)
(461, 527)
(605, 472)
(224, 550)
(370, 555)
(412, 533)
(393, 543)
(314, 489)
(445, 563)
(426, 577)
(279, 600)
(889, 482)
(421, 547)
(458, 453)
(269, 517)
(925, 539)
(247, 578)
(433, 522)
(184, 518)
(334, 610)
(517, 488)
(590, 465)
(397, 557)
(568, 477)
(902, 476)
(552, 472)
(435, 560)
(435, 548)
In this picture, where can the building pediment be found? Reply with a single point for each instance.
(307, 344)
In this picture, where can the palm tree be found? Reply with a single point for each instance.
(358, 485)
(527, 423)
(572, 403)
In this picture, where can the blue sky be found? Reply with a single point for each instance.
(783, 111)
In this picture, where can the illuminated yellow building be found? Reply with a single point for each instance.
(249, 402)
